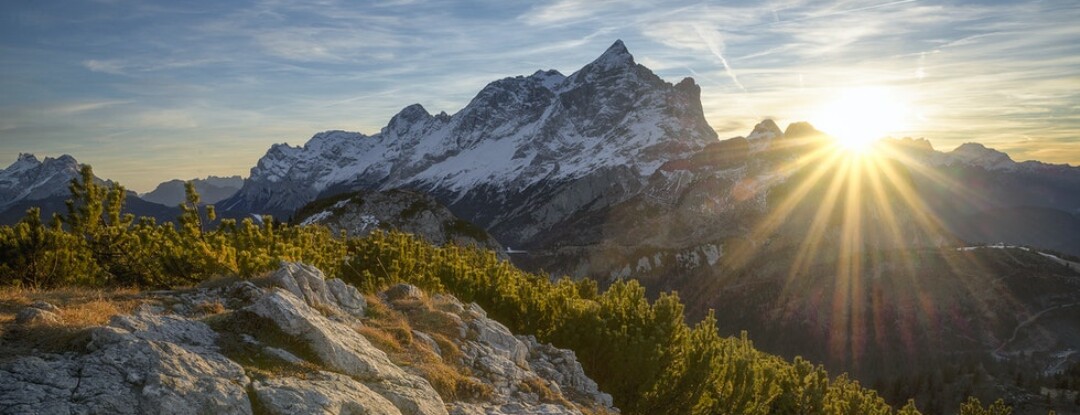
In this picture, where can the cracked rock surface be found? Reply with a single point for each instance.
(288, 344)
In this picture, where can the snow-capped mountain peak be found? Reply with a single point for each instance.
(550, 79)
(30, 179)
(975, 154)
(517, 138)
(615, 56)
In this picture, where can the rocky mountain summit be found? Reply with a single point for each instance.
(44, 184)
(524, 154)
(294, 342)
(31, 179)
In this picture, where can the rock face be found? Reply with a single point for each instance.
(288, 343)
(360, 213)
(527, 377)
(523, 154)
(143, 363)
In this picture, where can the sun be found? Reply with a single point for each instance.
(858, 117)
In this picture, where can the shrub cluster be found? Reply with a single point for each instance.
(643, 353)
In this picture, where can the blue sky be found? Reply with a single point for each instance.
(150, 91)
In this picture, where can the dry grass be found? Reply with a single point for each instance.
(390, 330)
(210, 307)
(80, 308)
(380, 339)
(543, 391)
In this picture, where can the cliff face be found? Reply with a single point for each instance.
(294, 342)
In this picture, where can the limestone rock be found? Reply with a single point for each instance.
(562, 367)
(500, 339)
(43, 305)
(164, 358)
(348, 297)
(459, 408)
(345, 350)
(512, 365)
(141, 364)
(32, 315)
(323, 393)
(305, 282)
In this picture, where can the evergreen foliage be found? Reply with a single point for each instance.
(95, 244)
(644, 354)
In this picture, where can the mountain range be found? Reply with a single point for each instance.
(614, 173)
(211, 190)
(524, 154)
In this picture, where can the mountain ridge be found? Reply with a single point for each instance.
(520, 140)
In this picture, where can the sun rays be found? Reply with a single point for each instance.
(859, 210)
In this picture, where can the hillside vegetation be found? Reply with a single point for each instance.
(644, 354)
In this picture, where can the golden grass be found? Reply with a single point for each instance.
(390, 330)
(380, 339)
(79, 308)
(210, 307)
(543, 391)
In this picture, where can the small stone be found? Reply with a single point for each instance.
(42, 305)
(404, 292)
(31, 315)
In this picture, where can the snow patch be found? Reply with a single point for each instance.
(712, 253)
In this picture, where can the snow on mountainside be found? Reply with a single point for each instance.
(975, 154)
(31, 179)
(523, 154)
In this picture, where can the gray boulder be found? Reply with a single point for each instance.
(324, 393)
(345, 350)
(31, 315)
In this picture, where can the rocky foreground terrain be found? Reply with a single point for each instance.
(288, 343)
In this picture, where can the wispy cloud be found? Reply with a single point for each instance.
(161, 82)
(715, 43)
(81, 107)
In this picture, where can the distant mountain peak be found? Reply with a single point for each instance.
(976, 154)
(28, 157)
(978, 150)
(765, 129)
(31, 179)
(800, 129)
(615, 56)
(549, 78)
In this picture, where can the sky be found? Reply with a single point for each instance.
(148, 91)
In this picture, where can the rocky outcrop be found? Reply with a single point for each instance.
(143, 363)
(288, 343)
(360, 213)
(526, 376)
